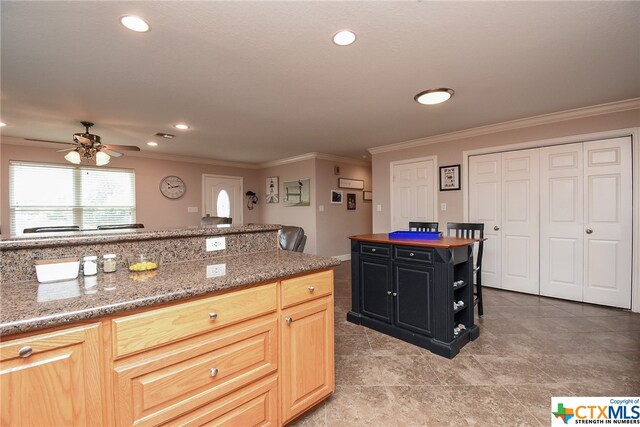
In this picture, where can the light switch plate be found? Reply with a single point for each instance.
(321, 208)
(192, 209)
(443, 206)
(215, 244)
(379, 208)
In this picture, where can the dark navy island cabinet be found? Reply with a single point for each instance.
(417, 291)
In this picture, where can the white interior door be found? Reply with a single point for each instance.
(414, 193)
(561, 221)
(520, 221)
(222, 196)
(485, 206)
(607, 184)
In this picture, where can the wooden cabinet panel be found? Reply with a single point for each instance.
(256, 405)
(59, 383)
(307, 372)
(158, 385)
(305, 288)
(164, 325)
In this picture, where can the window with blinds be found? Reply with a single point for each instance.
(50, 195)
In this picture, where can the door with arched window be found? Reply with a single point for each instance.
(222, 196)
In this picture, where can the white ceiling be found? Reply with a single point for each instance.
(260, 81)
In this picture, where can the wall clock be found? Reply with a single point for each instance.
(172, 187)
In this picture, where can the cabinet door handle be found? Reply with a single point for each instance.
(589, 231)
(388, 292)
(311, 288)
(288, 320)
(213, 372)
(496, 228)
(411, 254)
(373, 250)
(395, 294)
(213, 315)
(25, 351)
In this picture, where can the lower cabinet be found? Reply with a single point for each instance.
(412, 296)
(53, 379)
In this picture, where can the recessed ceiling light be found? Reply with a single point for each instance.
(134, 23)
(2, 124)
(181, 126)
(152, 144)
(344, 38)
(434, 96)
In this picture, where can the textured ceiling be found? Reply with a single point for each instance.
(260, 81)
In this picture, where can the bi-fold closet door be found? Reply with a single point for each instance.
(558, 220)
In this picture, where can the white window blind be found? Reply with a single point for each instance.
(50, 195)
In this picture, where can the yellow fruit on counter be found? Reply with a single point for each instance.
(143, 266)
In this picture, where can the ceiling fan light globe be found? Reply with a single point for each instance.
(73, 157)
(102, 158)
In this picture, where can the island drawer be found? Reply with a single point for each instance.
(413, 254)
(158, 385)
(306, 288)
(164, 325)
(377, 250)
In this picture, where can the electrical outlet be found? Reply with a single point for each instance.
(215, 244)
(321, 208)
(192, 209)
(379, 208)
(443, 206)
(216, 270)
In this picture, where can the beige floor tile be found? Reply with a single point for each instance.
(513, 369)
(537, 398)
(352, 345)
(316, 417)
(356, 406)
(384, 345)
(461, 370)
(424, 406)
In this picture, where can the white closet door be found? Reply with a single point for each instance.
(485, 206)
(520, 221)
(607, 184)
(561, 221)
(414, 188)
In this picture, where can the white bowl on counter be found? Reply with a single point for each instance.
(54, 270)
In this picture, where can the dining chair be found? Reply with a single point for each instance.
(423, 226)
(472, 230)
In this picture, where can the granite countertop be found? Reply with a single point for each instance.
(39, 240)
(29, 306)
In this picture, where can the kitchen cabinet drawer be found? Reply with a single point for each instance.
(164, 325)
(158, 385)
(255, 405)
(306, 288)
(377, 250)
(416, 255)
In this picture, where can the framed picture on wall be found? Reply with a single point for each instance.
(449, 178)
(367, 196)
(336, 196)
(297, 193)
(351, 201)
(353, 184)
(272, 189)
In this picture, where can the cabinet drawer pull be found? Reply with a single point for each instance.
(411, 254)
(213, 372)
(373, 250)
(395, 294)
(311, 288)
(213, 316)
(288, 320)
(25, 351)
(388, 292)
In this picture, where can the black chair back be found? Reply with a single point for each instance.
(423, 226)
(471, 230)
(52, 229)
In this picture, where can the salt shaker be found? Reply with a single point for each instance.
(109, 263)
(90, 265)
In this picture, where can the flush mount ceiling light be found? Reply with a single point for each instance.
(434, 96)
(134, 23)
(152, 144)
(181, 126)
(344, 38)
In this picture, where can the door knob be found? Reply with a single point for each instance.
(589, 231)
(288, 320)
(311, 288)
(213, 316)
(213, 372)
(496, 228)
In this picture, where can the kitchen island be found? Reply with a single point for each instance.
(245, 337)
(417, 290)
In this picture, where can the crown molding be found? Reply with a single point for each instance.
(577, 113)
(314, 156)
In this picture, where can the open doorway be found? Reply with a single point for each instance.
(222, 196)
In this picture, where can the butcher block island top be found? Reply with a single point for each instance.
(444, 242)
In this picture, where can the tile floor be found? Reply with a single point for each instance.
(530, 348)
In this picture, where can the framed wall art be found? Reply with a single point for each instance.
(367, 196)
(272, 189)
(352, 184)
(351, 201)
(336, 196)
(297, 193)
(449, 178)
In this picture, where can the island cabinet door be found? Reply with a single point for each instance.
(307, 356)
(53, 379)
(413, 298)
(376, 288)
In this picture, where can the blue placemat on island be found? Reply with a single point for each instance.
(413, 235)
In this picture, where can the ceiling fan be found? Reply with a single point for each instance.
(88, 146)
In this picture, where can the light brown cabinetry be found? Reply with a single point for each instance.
(53, 379)
(307, 371)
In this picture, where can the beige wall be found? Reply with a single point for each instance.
(450, 153)
(335, 224)
(152, 209)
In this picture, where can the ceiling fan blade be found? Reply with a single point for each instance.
(45, 140)
(111, 153)
(67, 149)
(122, 147)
